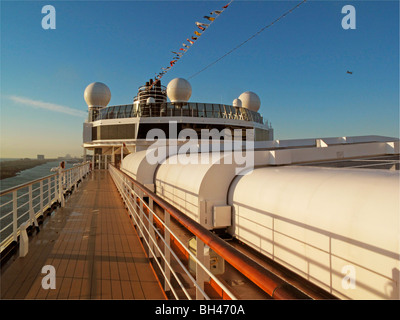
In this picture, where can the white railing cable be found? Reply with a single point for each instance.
(40, 195)
(128, 203)
(172, 252)
(159, 265)
(191, 254)
(188, 251)
(129, 195)
(120, 188)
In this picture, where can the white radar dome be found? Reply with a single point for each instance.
(179, 90)
(250, 101)
(237, 103)
(97, 94)
(150, 100)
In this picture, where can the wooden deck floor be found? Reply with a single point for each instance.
(93, 248)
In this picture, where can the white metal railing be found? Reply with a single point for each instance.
(158, 244)
(25, 203)
(184, 109)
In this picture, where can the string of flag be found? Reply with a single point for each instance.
(190, 41)
(253, 36)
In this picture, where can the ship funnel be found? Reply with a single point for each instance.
(153, 91)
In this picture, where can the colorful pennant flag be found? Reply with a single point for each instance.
(209, 18)
(202, 26)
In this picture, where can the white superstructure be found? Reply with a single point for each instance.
(112, 132)
(327, 209)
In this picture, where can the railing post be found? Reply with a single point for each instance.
(30, 204)
(167, 253)
(60, 187)
(41, 196)
(15, 215)
(32, 218)
(152, 237)
(141, 218)
(135, 207)
(49, 191)
(24, 240)
(78, 176)
(200, 274)
(70, 179)
(124, 190)
(65, 180)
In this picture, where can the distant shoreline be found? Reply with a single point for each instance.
(10, 168)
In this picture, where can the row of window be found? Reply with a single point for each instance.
(205, 110)
(121, 131)
(128, 131)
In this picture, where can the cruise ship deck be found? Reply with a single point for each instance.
(279, 219)
(115, 239)
(93, 247)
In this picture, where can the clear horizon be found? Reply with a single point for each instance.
(298, 67)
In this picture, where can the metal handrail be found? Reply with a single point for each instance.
(187, 109)
(123, 183)
(269, 282)
(43, 197)
(137, 220)
(26, 184)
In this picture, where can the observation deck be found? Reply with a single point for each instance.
(176, 109)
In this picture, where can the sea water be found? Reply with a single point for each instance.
(31, 174)
(22, 177)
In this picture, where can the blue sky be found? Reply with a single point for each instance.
(298, 67)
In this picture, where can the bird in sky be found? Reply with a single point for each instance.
(350, 72)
